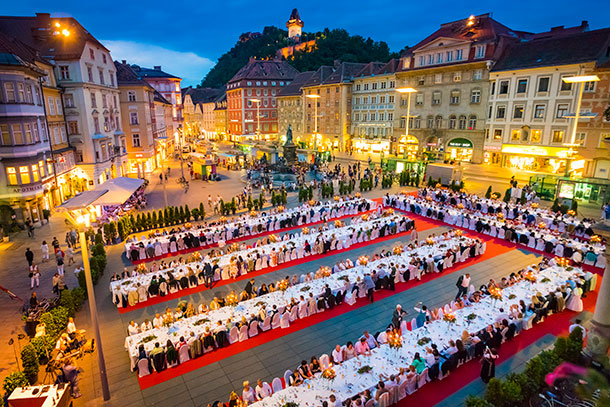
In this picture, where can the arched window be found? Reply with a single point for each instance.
(462, 123)
(438, 122)
(472, 122)
(452, 121)
(430, 122)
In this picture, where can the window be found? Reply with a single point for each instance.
(457, 77)
(374, 85)
(391, 99)
(472, 123)
(374, 99)
(430, 121)
(452, 122)
(69, 100)
(458, 54)
(500, 112)
(449, 56)
(104, 58)
(479, 51)
(63, 134)
(565, 87)
(9, 89)
(24, 173)
(390, 116)
(358, 87)
(93, 100)
(536, 135)
(17, 134)
(90, 74)
(392, 84)
(562, 110)
(96, 125)
(421, 80)
(21, 91)
(557, 136)
(73, 127)
(12, 175)
(477, 74)
(515, 135)
(522, 86)
(133, 117)
(383, 85)
(35, 175)
(439, 58)
(539, 111)
(91, 53)
(131, 96)
(455, 97)
(419, 99)
(498, 134)
(357, 117)
(430, 59)
(438, 78)
(518, 112)
(135, 140)
(438, 122)
(475, 96)
(51, 106)
(493, 88)
(38, 99)
(588, 87)
(436, 97)
(503, 90)
(5, 135)
(28, 94)
(543, 84)
(580, 138)
(104, 101)
(382, 99)
(58, 106)
(64, 72)
(462, 123)
(28, 133)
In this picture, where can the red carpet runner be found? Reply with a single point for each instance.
(493, 249)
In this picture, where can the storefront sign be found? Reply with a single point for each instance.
(492, 148)
(566, 190)
(535, 150)
(460, 143)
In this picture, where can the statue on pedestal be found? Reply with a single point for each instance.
(290, 149)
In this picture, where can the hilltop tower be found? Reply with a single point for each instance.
(294, 26)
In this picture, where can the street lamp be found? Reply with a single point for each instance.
(408, 91)
(181, 133)
(315, 120)
(581, 79)
(258, 117)
(79, 211)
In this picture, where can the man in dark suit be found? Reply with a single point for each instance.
(249, 287)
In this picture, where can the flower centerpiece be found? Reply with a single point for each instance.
(500, 216)
(273, 238)
(324, 271)
(449, 318)
(305, 231)
(395, 340)
(253, 213)
(343, 277)
(541, 225)
(282, 285)
(460, 206)
(358, 195)
(429, 241)
(535, 205)
(595, 239)
(458, 233)
(338, 223)
(281, 208)
(562, 262)
(336, 198)
(512, 296)
(545, 280)
(196, 256)
(365, 217)
(529, 276)
(423, 341)
(188, 225)
(389, 212)
(495, 293)
(223, 219)
(365, 369)
(398, 250)
(428, 198)
(363, 260)
(471, 317)
(232, 300)
(201, 321)
(141, 268)
(312, 202)
(571, 213)
(495, 195)
(329, 373)
(148, 338)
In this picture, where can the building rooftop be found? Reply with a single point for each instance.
(257, 69)
(126, 75)
(590, 46)
(155, 72)
(294, 87)
(202, 95)
(14, 52)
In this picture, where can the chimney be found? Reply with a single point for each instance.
(157, 67)
(124, 61)
(584, 25)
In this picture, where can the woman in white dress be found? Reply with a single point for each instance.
(44, 247)
(574, 301)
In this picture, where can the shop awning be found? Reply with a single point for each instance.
(460, 143)
(119, 190)
(82, 200)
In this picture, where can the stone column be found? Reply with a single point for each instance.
(598, 341)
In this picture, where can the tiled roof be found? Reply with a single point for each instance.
(159, 98)
(15, 52)
(369, 69)
(562, 50)
(155, 72)
(38, 33)
(345, 72)
(294, 87)
(391, 66)
(319, 76)
(202, 95)
(125, 75)
(265, 70)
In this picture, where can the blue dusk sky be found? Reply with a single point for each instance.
(187, 37)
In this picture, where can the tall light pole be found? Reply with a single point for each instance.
(408, 91)
(180, 134)
(79, 215)
(315, 98)
(258, 117)
(576, 115)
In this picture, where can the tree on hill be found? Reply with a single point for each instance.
(331, 45)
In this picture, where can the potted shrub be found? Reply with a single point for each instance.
(13, 381)
(29, 361)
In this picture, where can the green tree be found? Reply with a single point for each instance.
(161, 218)
(507, 195)
(488, 193)
(250, 205)
(187, 213)
(202, 210)
(574, 206)
(29, 362)
(154, 221)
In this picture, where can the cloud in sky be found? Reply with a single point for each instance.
(187, 65)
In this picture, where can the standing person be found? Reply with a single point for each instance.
(462, 284)
(161, 178)
(29, 256)
(67, 238)
(44, 248)
(488, 365)
(34, 276)
(71, 374)
(70, 255)
(60, 263)
(369, 286)
(29, 227)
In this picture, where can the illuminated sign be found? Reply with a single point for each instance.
(460, 143)
(535, 150)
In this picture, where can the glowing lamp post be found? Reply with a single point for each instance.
(80, 212)
(408, 91)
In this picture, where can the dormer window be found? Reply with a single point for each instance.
(449, 56)
(479, 51)
(459, 54)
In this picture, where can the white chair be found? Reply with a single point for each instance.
(275, 321)
(422, 379)
(143, 369)
(233, 335)
(402, 390)
(268, 388)
(447, 309)
(414, 324)
(370, 403)
(253, 331)
(285, 321)
(393, 394)
(302, 310)
(183, 354)
(324, 361)
(293, 314)
(384, 400)
(411, 385)
(287, 375)
(276, 384)
(243, 333)
(266, 325)
(403, 326)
